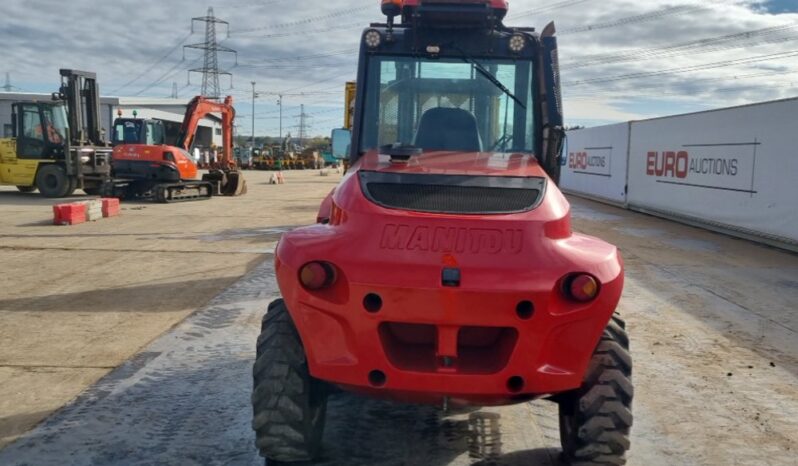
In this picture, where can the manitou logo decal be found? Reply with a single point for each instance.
(591, 161)
(443, 239)
(728, 166)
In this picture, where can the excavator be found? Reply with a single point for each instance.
(144, 166)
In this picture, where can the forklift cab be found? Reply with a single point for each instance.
(41, 130)
(452, 78)
(138, 131)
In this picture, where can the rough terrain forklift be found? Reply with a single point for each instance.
(146, 167)
(58, 147)
(443, 268)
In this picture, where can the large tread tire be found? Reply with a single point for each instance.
(73, 185)
(93, 190)
(289, 406)
(595, 420)
(52, 181)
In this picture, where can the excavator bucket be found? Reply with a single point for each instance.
(226, 182)
(236, 184)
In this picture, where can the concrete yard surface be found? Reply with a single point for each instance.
(80, 300)
(712, 322)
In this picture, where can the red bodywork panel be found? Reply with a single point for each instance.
(506, 320)
(156, 156)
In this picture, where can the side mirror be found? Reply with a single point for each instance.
(341, 143)
(13, 125)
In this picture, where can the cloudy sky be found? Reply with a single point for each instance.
(621, 59)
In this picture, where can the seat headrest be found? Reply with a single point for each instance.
(449, 129)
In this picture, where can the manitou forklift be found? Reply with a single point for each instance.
(443, 268)
(146, 167)
(58, 147)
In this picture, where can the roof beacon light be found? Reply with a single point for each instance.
(373, 39)
(391, 8)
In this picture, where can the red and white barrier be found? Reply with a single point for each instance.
(75, 213)
(277, 178)
(110, 207)
(69, 214)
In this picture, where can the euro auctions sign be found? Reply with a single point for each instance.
(596, 164)
(734, 169)
(591, 161)
(720, 166)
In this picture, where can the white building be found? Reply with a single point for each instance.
(170, 111)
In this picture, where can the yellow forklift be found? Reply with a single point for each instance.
(58, 147)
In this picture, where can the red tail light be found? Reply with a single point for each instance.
(581, 287)
(317, 275)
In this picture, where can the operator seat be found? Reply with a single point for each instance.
(131, 134)
(449, 129)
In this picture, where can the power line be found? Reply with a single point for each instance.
(597, 97)
(667, 11)
(553, 6)
(153, 65)
(725, 42)
(309, 32)
(706, 66)
(166, 76)
(284, 92)
(269, 62)
(693, 81)
(312, 19)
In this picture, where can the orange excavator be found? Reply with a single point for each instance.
(144, 166)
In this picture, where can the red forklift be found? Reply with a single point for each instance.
(443, 268)
(145, 166)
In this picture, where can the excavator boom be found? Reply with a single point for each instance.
(199, 108)
(224, 175)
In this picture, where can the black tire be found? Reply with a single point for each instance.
(26, 189)
(52, 181)
(289, 406)
(93, 190)
(73, 185)
(595, 420)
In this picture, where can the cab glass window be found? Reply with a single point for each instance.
(449, 105)
(32, 123)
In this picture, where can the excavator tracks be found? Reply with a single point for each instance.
(182, 192)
